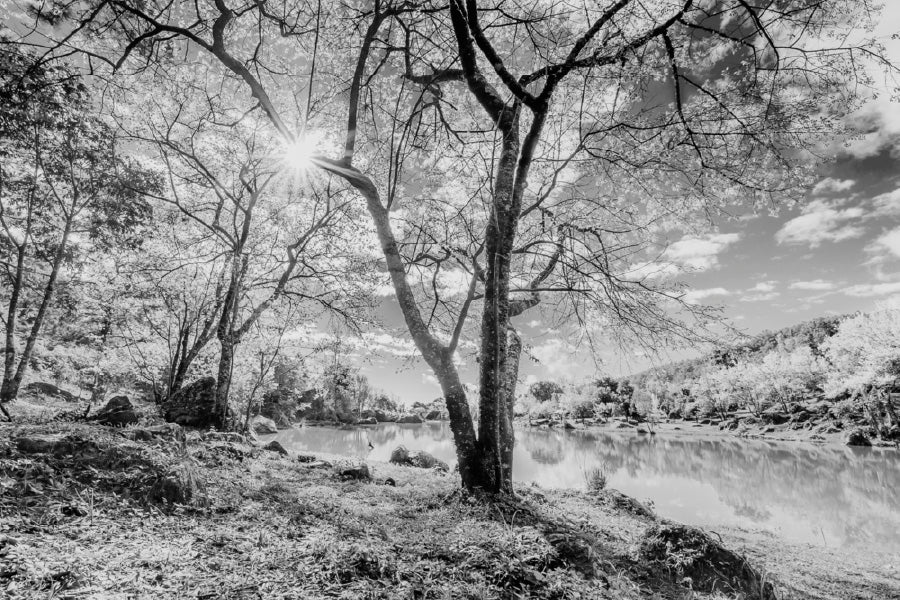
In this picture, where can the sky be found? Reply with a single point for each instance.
(835, 253)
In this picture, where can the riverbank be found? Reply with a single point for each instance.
(83, 514)
(741, 426)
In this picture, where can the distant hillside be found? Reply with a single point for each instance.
(809, 333)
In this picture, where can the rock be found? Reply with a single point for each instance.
(167, 430)
(421, 459)
(621, 425)
(730, 425)
(857, 437)
(44, 444)
(263, 425)
(705, 422)
(434, 415)
(359, 472)
(641, 430)
(410, 419)
(383, 417)
(193, 405)
(118, 412)
(568, 425)
(801, 417)
(181, 485)
(275, 446)
(769, 430)
(681, 552)
(225, 436)
(48, 389)
(538, 422)
(676, 428)
(367, 421)
(774, 416)
(306, 458)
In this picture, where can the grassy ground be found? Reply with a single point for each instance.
(84, 523)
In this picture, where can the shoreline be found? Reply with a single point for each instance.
(673, 428)
(75, 519)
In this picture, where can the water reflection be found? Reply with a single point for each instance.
(824, 495)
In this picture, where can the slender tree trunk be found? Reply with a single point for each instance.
(9, 360)
(223, 381)
(11, 390)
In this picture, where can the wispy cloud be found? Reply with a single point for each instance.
(822, 221)
(832, 185)
(815, 285)
(695, 296)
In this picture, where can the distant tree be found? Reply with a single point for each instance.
(543, 391)
(64, 188)
(864, 357)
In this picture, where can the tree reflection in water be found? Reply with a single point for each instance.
(833, 495)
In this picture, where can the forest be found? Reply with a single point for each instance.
(213, 212)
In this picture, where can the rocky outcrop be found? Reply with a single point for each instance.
(367, 421)
(275, 446)
(681, 552)
(261, 425)
(118, 412)
(421, 459)
(193, 405)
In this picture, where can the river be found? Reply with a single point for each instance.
(824, 495)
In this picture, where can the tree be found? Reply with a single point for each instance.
(669, 109)
(63, 187)
(864, 357)
(544, 391)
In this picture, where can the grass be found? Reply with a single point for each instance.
(268, 526)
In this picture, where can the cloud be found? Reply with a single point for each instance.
(831, 185)
(763, 286)
(556, 357)
(822, 221)
(695, 296)
(386, 344)
(888, 242)
(866, 290)
(817, 285)
(700, 253)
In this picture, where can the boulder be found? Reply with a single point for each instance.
(410, 419)
(359, 472)
(774, 416)
(857, 437)
(193, 405)
(263, 425)
(367, 421)
(383, 417)
(434, 415)
(680, 552)
(118, 412)
(40, 388)
(421, 459)
(275, 446)
(801, 417)
(641, 430)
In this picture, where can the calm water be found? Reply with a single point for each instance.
(834, 496)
